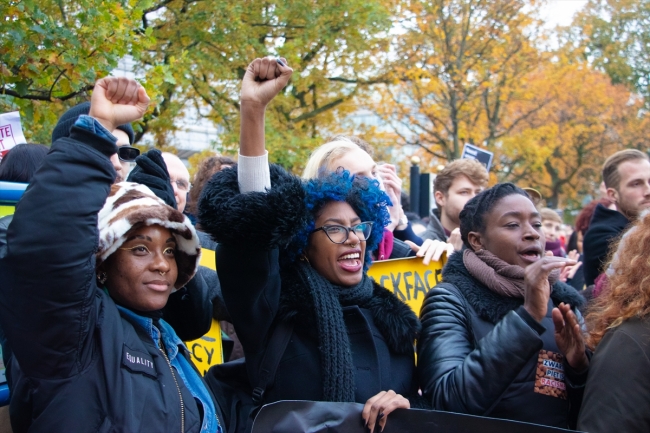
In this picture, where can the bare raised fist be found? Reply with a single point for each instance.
(264, 79)
(118, 100)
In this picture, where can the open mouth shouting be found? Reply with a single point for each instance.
(531, 254)
(351, 261)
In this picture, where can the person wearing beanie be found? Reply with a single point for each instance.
(84, 283)
(123, 133)
(294, 254)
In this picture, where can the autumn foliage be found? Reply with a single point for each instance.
(410, 76)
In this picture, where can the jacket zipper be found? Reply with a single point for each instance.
(180, 395)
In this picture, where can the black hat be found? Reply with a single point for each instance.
(62, 128)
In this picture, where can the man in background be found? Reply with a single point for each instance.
(179, 177)
(626, 175)
(454, 186)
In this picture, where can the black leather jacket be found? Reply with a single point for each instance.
(478, 352)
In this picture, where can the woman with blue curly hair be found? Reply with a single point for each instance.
(296, 253)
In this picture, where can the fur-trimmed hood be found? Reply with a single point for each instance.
(396, 322)
(493, 307)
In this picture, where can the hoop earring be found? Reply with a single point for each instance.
(303, 258)
(102, 277)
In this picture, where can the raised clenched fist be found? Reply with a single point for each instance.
(264, 79)
(118, 100)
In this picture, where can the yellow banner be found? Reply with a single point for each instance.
(207, 350)
(208, 259)
(7, 210)
(408, 278)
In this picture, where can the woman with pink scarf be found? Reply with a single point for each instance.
(501, 334)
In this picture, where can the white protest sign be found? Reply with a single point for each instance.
(481, 155)
(11, 132)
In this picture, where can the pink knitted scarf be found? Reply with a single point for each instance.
(499, 276)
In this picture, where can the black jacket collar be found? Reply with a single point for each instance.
(609, 217)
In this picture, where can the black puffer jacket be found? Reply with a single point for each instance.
(250, 233)
(478, 352)
(79, 364)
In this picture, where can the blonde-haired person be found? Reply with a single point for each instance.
(617, 394)
(320, 159)
(355, 155)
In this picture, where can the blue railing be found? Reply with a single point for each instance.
(10, 193)
(4, 394)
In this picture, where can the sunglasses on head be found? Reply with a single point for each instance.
(128, 153)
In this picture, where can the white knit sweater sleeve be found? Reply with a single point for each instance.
(253, 173)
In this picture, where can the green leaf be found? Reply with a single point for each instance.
(21, 88)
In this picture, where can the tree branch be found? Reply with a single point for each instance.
(48, 98)
(154, 8)
(322, 109)
(357, 81)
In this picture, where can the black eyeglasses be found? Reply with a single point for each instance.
(339, 234)
(128, 153)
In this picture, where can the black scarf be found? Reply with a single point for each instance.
(327, 301)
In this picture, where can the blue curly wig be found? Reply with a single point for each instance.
(361, 193)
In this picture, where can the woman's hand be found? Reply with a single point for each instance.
(118, 100)
(570, 271)
(431, 250)
(536, 285)
(378, 407)
(263, 80)
(393, 187)
(568, 337)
